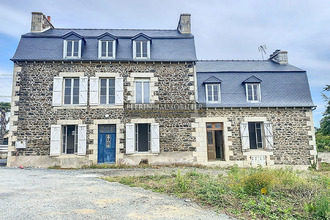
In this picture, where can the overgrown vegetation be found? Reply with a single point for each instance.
(323, 134)
(254, 193)
(4, 108)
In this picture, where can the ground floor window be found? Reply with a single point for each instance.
(142, 137)
(70, 139)
(255, 135)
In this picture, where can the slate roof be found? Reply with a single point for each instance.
(281, 85)
(166, 45)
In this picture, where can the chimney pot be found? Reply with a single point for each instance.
(48, 18)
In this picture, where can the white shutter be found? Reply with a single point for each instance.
(119, 98)
(55, 140)
(82, 139)
(154, 138)
(57, 91)
(94, 91)
(268, 135)
(245, 136)
(130, 138)
(83, 85)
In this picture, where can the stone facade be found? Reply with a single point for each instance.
(33, 113)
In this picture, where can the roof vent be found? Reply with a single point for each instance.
(40, 22)
(280, 57)
(184, 26)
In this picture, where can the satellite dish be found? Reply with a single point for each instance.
(262, 49)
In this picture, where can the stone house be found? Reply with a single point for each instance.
(89, 96)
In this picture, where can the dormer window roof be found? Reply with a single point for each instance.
(212, 80)
(107, 46)
(72, 45)
(141, 46)
(252, 79)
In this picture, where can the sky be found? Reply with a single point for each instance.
(223, 29)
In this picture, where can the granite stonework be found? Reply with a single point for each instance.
(293, 135)
(35, 114)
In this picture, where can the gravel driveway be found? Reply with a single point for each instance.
(80, 194)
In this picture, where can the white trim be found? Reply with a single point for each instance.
(65, 45)
(142, 90)
(107, 49)
(219, 93)
(148, 49)
(258, 92)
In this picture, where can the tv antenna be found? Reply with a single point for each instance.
(262, 49)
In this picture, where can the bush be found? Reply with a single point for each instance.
(255, 182)
(322, 142)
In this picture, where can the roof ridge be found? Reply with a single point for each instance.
(232, 60)
(122, 29)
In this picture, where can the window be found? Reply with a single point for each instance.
(253, 92)
(212, 92)
(141, 49)
(107, 49)
(70, 139)
(142, 137)
(142, 89)
(255, 134)
(72, 48)
(71, 91)
(107, 91)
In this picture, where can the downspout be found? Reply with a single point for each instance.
(195, 82)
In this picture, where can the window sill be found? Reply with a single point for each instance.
(69, 156)
(70, 107)
(107, 106)
(257, 152)
(136, 154)
(107, 58)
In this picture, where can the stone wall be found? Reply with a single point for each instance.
(34, 113)
(293, 135)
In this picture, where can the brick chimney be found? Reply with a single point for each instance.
(280, 57)
(184, 26)
(40, 22)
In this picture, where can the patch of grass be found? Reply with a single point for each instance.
(290, 194)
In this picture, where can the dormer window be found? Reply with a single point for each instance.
(141, 46)
(212, 92)
(253, 92)
(72, 48)
(107, 49)
(252, 89)
(72, 45)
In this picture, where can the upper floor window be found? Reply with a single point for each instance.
(71, 91)
(107, 92)
(141, 49)
(212, 92)
(142, 91)
(253, 92)
(107, 49)
(72, 48)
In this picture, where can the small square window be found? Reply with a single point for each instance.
(253, 92)
(107, 49)
(212, 92)
(72, 48)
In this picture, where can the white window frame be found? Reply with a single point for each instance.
(107, 49)
(252, 87)
(137, 139)
(262, 133)
(107, 90)
(148, 49)
(219, 93)
(71, 91)
(65, 45)
(142, 80)
(64, 148)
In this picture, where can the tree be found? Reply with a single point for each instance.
(4, 108)
(325, 121)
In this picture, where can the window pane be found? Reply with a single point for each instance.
(138, 49)
(218, 125)
(76, 83)
(146, 91)
(75, 99)
(250, 92)
(144, 47)
(255, 92)
(67, 82)
(103, 82)
(111, 82)
(104, 48)
(75, 49)
(209, 137)
(252, 135)
(69, 48)
(103, 99)
(112, 99)
(138, 92)
(110, 45)
(209, 93)
(142, 140)
(67, 99)
(215, 93)
(208, 125)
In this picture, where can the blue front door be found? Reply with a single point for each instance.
(107, 144)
